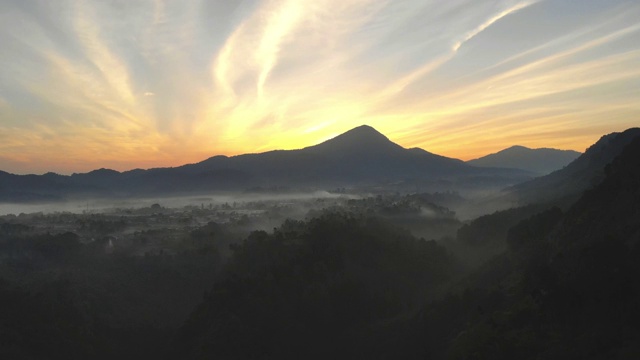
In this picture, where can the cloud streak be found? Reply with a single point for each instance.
(160, 82)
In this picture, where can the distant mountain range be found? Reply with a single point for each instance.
(538, 161)
(361, 156)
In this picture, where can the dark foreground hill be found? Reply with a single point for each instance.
(566, 289)
(486, 236)
(361, 156)
(538, 161)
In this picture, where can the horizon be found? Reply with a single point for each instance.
(125, 85)
(311, 145)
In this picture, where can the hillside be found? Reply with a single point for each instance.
(312, 290)
(566, 288)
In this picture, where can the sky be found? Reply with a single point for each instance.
(124, 84)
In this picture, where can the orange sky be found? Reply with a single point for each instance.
(86, 84)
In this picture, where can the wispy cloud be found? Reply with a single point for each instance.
(165, 82)
(457, 41)
(490, 21)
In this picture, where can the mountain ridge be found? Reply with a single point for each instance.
(541, 161)
(360, 156)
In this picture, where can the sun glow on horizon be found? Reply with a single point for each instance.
(87, 84)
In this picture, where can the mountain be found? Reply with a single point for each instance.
(485, 236)
(361, 156)
(581, 174)
(539, 161)
(362, 139)
(608, 212)
(566, 287)
(35, 188)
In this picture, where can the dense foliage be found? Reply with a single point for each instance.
(314, 289)
(63, 299)
(566, 289)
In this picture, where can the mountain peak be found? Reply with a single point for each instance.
(364, 129)
(517, 147)
(362, 133)
(363, 138)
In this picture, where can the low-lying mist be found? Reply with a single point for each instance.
(98, 205)
(142, 268)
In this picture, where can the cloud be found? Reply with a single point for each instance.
(493, 19)
(458, 40)
(111, 69)
(170, 82)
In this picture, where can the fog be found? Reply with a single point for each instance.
(272, 273)
(99, 205)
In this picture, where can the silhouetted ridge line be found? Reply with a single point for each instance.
(360, 156)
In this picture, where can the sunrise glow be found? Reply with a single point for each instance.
(86, 84)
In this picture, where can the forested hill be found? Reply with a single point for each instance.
(566, 289)
(314, 290)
